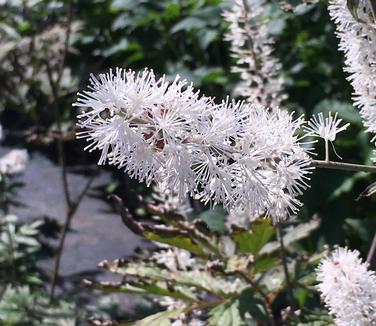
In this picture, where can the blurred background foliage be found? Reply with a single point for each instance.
(182, 37)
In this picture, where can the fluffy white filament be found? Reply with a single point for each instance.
(251, 47)
(232, 153)
(358, 42)
(325, 128)
(348, 288)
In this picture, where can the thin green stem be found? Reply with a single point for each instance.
(204, 305)
(326, 150)
(343, 166)
(371, 257)
(11, 255)
(282, 250)
(256, 287)
(71, 211)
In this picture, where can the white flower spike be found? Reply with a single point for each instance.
(251, 47)
(348, 288)
(232, 153)
(357, 41)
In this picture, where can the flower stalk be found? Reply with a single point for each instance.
(333, 165)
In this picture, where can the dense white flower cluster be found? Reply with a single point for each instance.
(357, 41)
(251, 47)
(232, 153)
(348, 288)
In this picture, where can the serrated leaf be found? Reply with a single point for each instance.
(150, 271)
(292, 235)
(253, 241)
(174, 239)
(160, 288)
(226, 315)
(163, 318)
(214, 218)
(243, 309)
(264, 263)
(169, 235)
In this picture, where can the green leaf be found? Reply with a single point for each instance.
(253, 241)
(160, 233)
(311, 318)
(158, 288)
(227, 314)
(244, 309)
(188, 24)
(208, 37)
(264, 263)
(292, 235)
(178, 240)
(214, 218)
(163, 318)
(346, 110)
(149, 271)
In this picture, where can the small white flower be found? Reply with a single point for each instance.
(348, 288)
(14, 162)
(325, 128)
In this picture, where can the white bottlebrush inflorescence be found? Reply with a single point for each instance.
(348, 288)
(326, 128)
(251, 47)
(232, 153)
(357, 40)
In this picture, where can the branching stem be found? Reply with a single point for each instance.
(255, 286)
(72, 205)
(70, 213)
